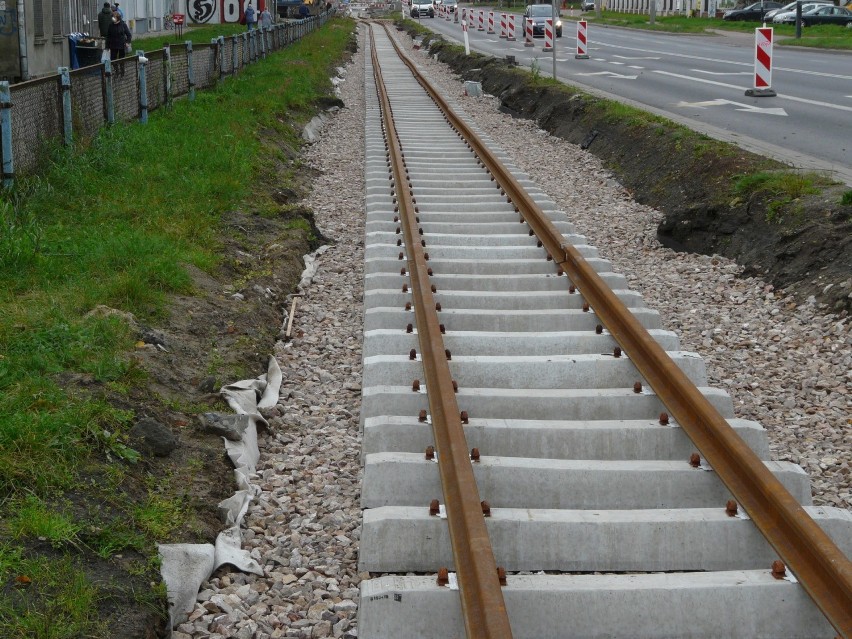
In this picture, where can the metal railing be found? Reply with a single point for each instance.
(57, 109)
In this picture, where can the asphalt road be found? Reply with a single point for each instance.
(700, 81)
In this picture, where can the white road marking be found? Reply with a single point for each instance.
(722, 72)
(633, 66)
(782, 96)
(740, 106)
(749, 64)
(610, 74)
(614, 62)
(636, 57)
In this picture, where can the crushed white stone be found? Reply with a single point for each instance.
(787, 365)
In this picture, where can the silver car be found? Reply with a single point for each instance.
(770, 15)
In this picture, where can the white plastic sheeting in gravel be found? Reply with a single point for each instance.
(303, 527)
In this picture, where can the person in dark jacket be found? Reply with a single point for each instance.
(118, 37)
(251, 17)
(105, 19)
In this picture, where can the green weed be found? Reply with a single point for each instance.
(846, 198)
(51, 598)
(34, 518)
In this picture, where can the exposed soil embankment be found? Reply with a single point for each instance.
(799, 238)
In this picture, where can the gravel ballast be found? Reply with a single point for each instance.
(786, 365)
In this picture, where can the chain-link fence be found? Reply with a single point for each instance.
(97, 96)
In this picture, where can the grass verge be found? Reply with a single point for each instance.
(115, 224)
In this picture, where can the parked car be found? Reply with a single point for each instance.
(771, 15)
(827, 15)
(538, 13)
(789, 17)
(754, 12)
(422, 9)
(587, 5)
(450, 5)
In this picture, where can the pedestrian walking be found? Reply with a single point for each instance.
(118, 37)
(251, 17)
(105, 19)
(266, 18)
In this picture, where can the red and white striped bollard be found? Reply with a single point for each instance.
(582, 41)
(763, 37)
(504, 30)
(466, 40)
(528, 33)
(481, 20)
(548, 35)
(490, 22)
(511, 37)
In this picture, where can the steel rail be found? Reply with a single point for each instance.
(816, 561)
(483, 608)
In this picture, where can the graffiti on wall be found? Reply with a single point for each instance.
(218, 11)
(232, 11)
(201, 11)
(8, 21)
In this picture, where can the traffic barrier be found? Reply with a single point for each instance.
(548, 35)
(763, 37)
(511, 25)
(528, 32)
(481, 20)
(582, 41)
(456, 15)
(503, 28)
(447, 17)
(490, 22)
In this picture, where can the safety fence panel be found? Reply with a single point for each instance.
(204, 66)
(88, 113)
(125, 88)
(180, 80)
(156, 79)
(228, 57)
(36, 120)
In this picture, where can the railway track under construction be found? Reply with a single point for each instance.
(540, 457)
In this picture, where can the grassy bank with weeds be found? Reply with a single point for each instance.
(119, 225)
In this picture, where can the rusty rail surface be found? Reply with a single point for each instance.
(483, 608)
(821, 567)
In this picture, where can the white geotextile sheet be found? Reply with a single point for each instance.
(185, 567)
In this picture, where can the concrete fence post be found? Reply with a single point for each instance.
(142, 66)
(220, 43)
(234, 57)
(167, 73)
(65, 79)
(262, 42)
(214, 44)
(108, 93)
(6, 134)
(190, 76)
